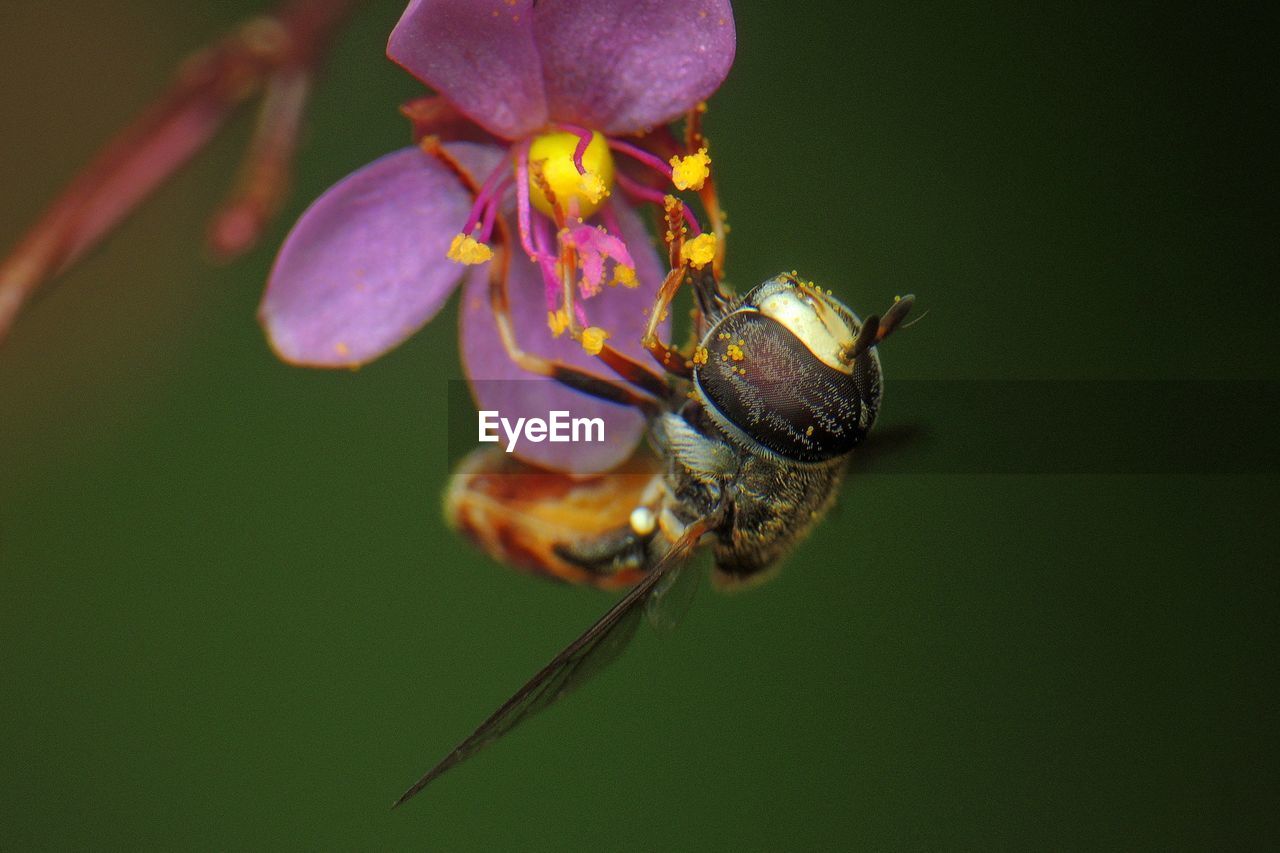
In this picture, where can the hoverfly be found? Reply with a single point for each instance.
(750, 434)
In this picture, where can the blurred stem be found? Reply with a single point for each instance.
(264, 178)
(279, 52)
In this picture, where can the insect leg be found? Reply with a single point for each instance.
(671, 359)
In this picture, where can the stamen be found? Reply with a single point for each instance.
(485, 195)
(690, 173)
(649, 194)
(625, 276)
(522, 200)
(699, 251)
(465, 249)
(558, 321)
(490, 215)
(637, 153)
(593, 338)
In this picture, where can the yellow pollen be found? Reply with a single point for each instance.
(592, 187)
(624, 275)
(466, 249)
(735, 352)
(689, 173)
(700, 355)
(593, 338)
(577, 194)
(699, 251)
(558, 321)
(342, 349)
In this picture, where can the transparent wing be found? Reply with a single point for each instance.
(671, 598)
(581, 659)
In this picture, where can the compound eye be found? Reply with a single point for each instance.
(758, 376)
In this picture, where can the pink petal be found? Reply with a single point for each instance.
(478, 54)
(622, 66)
(498, 384)
(365, 266)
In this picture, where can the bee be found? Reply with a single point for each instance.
(750, 433)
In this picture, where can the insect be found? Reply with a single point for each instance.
(750, 432)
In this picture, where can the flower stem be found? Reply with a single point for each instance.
(278, 53)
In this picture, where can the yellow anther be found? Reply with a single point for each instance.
(624, 275)
(342, 349)
(558, 321)
(466, 249)
(689, 173)
(699, 251)
(700, 355)
(572, 189)
(593, 338)
(735, 352)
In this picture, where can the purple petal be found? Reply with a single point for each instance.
(478, 54)
(622, 66)
(365, 266)
(498, 384)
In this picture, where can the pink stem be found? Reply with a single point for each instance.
(174, 129)
(640, 155)
(522, 200)
(584, 139)
(491, 214)
(648, 194)
(480, 206)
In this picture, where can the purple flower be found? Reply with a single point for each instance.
(551, 89)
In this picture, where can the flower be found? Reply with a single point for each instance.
(536, 100)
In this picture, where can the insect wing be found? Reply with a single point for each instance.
(671, 598)
(581, 659)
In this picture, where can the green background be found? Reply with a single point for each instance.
(232, 617)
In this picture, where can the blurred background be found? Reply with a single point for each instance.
(231, 615)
